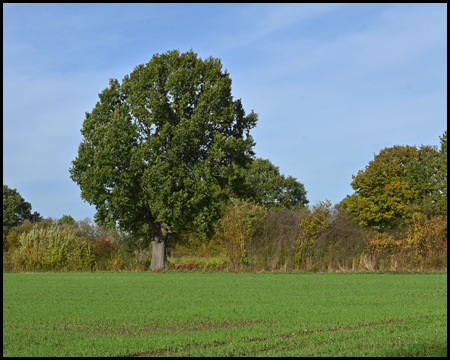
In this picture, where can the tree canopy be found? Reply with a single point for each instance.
(400, 180)
(16, 210)
(165, 148)
(66, 220)
(273, 190)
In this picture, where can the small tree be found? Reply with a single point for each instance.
(66, 220)
(273, 190)
(165, 148)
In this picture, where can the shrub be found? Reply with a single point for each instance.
(103, 247)
(12, 240)
(339, 245)
(426, 240)
(422, 245)
(382, 243)
(50, 249)
(310, 226)
(81, 255)
(193, 242)
(237, 227)
(274, 239)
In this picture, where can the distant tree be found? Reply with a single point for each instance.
(66, 220)
(440, 196)
(86, 228)
(165, 148)
(398, 181)
(15, 209)
(274, 190)
(36, 217)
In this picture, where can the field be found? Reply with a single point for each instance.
(224, 314)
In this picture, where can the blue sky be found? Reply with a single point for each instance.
(332, 83)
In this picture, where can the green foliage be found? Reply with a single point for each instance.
(197, 243)
(66, 220)
(273, 190)
(50, 248)
(439, 197)
(12, 240)
(138, 240)
(237, 226)
(36, 218)
(15, 209)
(81, 246)
(391, 187)
(87, 228)
(166, 147)
(396, 220)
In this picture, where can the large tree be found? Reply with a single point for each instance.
(274, 190)
(400, 180)
(165, 148)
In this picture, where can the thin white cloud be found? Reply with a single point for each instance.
(329, 96)
(392, 42)
(265, 19)
(251, 23)
(401, 34)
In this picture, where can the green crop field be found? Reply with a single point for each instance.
(224, 314)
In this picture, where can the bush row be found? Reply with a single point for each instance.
(248, 238)
(325, 239)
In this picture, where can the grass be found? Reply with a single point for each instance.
(213, 260)
(224, 314)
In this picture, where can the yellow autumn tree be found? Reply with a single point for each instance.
(392, 186)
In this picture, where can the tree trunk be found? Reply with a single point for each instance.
(159, 245)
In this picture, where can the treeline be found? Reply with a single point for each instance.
(250, 239)
(395, 220)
